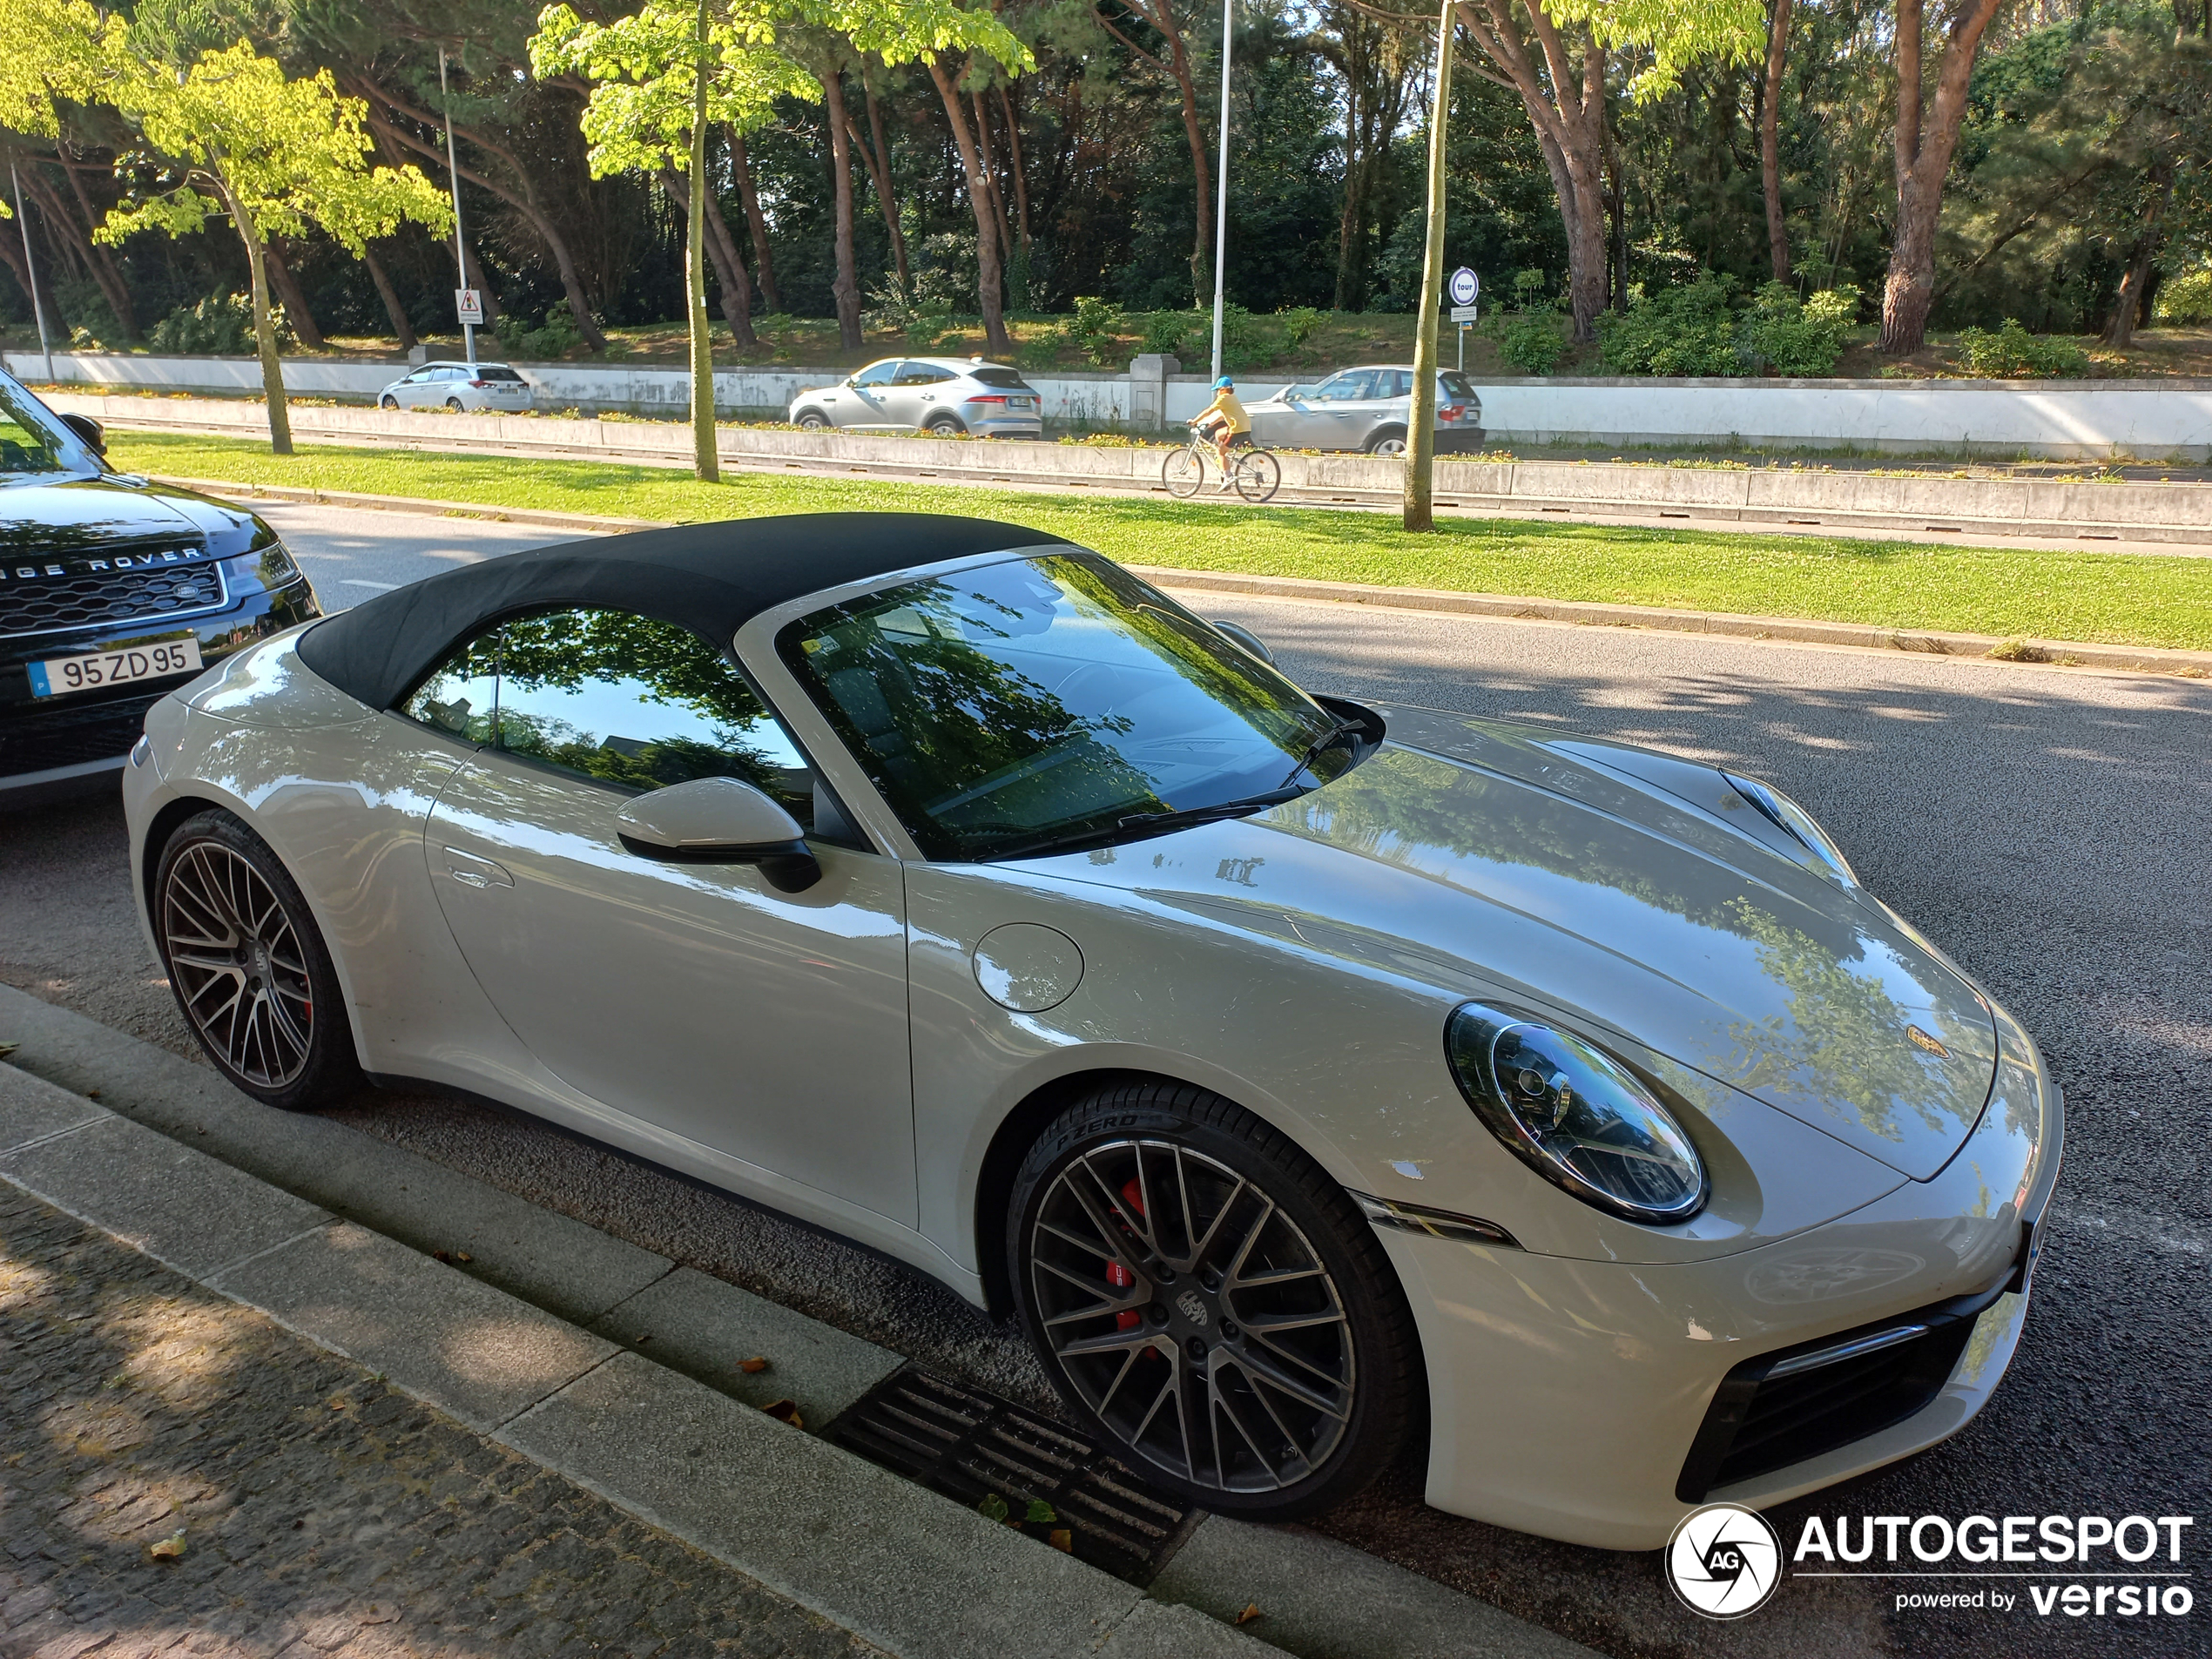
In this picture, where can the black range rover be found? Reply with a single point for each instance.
(113, 591)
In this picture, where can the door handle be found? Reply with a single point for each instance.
(473, 872)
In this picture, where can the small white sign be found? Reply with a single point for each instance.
(469, 302)
(1464, 314)
(1465, 286)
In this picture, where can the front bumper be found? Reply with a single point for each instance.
(1568, 1398)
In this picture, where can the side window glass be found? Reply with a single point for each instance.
(1401, 384)
(458, 697)
(636, 704)
(877, 373)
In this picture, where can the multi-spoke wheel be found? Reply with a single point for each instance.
(249, 970)
(1258, 475)
(1204, 1295)
(1184, 471)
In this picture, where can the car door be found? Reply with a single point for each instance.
(862, 400)
(1341, 405)
(766, 1026)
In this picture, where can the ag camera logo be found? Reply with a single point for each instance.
(1723, 1561)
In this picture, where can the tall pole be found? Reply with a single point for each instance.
(38, 306)
(1420, 438)
(1221, 190)
(453, 171)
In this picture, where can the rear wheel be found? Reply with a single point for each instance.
(1206, 1298)
(1258, 475)
(944, 426)
(1183, 473)
(453, 403)
(1388, 443)
(250, 971)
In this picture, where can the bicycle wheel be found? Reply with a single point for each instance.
(1258, 475)
(1183, 472)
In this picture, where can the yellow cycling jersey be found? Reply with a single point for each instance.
(1226, 404)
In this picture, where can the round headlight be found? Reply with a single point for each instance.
(1576, 1116)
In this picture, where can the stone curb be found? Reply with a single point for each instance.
(2193, 664)
(328, 1232)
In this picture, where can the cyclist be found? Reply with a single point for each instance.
(1226, 416)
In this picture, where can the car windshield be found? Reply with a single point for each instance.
(1052, 700)
(33, 442)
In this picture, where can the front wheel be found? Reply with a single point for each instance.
(811, 420)
(250, 971)
(388, 402)
(1258, 475)
(1183, 473)
(1203, 1295)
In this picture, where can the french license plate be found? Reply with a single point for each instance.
(59, 676)
(1021, 403)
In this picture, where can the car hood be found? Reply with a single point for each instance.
(1525, 865)
(73, 515)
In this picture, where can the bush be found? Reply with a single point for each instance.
(1093, 329)
(1799, 338)
(1163, 333)
(1299, 323)
(219, 326)
(921, 313)
(1687, 330)
(2012, 354)
(2184, 299)
(556, 337)
(1244, 343)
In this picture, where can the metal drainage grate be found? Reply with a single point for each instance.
(968, 1443)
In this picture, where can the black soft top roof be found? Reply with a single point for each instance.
(710, 579)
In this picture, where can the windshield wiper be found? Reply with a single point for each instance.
(1340, 730)
(1160, 823)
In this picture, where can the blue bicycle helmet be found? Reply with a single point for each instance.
(1223, 384)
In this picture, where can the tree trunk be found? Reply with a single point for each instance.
(979, 201)
(1924, 140)
(1777, 232)
(293, 299)
(1568, 111)
(265, 340)
(847, 288)
(756, 222)
(1421, 422)
(991, 172)
(1160, 15)
(705, 461)
(1352, 224)
(879, 170)
(729, 270)
(403, 325)
(1015, 166)
(117, 292)
(564, 259)
(480, 282)
(2129, 308)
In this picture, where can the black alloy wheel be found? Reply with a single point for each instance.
(249, 970)
(1204, 1297)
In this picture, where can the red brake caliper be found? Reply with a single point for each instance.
(1118, 1276)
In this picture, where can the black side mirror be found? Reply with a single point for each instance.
(720, 821)
(91, 431)
(1246, 638)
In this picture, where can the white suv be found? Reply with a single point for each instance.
(1367, 408)
(947, 394)
(465, 388)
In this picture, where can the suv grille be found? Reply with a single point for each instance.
(80, 596)
(39, 739)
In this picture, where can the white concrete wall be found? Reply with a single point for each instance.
(2156, 419)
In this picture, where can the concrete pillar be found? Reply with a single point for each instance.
(1148, 399)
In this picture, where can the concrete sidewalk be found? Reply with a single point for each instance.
(530, 1337)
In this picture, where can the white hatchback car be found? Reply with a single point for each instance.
(1309, 1078)
(945, 395)
(460, 389)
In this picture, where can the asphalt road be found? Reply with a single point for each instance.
(2048, 827)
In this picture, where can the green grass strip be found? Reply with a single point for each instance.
(2127, 599)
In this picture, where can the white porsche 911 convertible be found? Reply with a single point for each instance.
(1304, 1075)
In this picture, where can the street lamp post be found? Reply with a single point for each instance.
(453, 171)
(1221, 190)
(38, 306)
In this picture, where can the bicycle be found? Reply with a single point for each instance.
(1257, 474)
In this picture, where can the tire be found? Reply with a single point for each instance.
(387, 402)
(1258, 475)
(454, 404)
(811, 420)
(1389, 443)
(228, 916)
(944, 426)
(1183, 473)
(1131, 1319)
